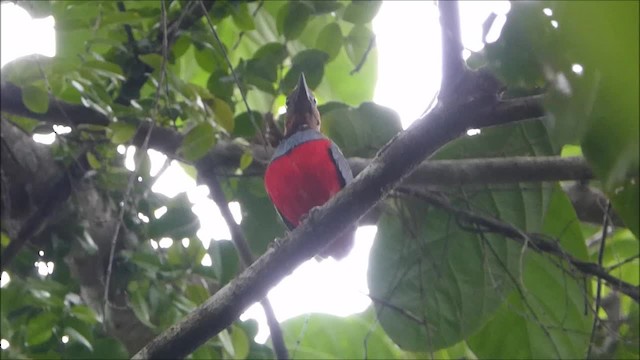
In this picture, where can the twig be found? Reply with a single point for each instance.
(363, 60)
(255, 12)
(605, 226)
(233, 72)
(623, 262)
(246, 258)
(537, 242)
(140, 152)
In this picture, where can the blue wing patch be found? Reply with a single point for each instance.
(344, 170)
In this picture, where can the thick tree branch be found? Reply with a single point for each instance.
(244, 253)
(394, 163)
(535, 241)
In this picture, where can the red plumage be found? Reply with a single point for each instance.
(307, 169)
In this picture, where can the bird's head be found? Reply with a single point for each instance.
(302, 111)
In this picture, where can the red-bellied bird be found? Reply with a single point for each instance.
(307, 168)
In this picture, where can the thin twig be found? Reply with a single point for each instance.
(233, 72)
(363, 60)
(605, 226)
(538, 242)
(246, 258)
(140, 152)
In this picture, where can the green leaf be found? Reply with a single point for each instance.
(223, 114)
(362, 131)
(153, 60)
(240, 342)
(311, 63)
(84, 339)
(323, 336)
(245, 160)
(35, 99)
(448, 280)
(224, 260)
(40, 328)
(292, 19)
(361, 12)
(4, 239)
(198, 142)
(220, 84)
(196, 293)
(533, 324)
(84, 313)
(122, 132)
(106, 68)
(244, 126)
(93, 161)
(242, 17)
(330, 40)
(177, 223)
(357, 43)
(139, 304)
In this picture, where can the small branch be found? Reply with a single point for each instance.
(605, 227)
(246, 258)
(535, 241)
(363, 60)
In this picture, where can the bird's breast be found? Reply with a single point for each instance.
(304, 177)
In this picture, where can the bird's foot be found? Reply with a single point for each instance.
(310, 214)
(276, 243)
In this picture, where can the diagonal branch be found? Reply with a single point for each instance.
(244, 253)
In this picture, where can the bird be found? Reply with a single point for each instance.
(307, 168)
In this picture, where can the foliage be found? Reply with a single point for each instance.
(438, 287)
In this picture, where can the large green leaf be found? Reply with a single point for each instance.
(198, 142)
(361, 131)
(448, 280)
(547, 319)
(322, 336)
(292, 19)
(593, 83)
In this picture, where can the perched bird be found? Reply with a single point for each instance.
(307, 168)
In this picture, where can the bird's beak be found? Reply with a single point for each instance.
(302, 99)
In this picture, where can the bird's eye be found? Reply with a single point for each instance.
(314, 100)
(288, 103)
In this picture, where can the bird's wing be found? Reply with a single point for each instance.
(341, 163)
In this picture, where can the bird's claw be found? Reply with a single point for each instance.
(311, 213)
(276, 243)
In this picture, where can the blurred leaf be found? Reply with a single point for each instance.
(40, 328)
(139, 304)
(330, 40)
(224, 260)
(121, 132)
(220, 84)
(361, 12)
(311, 63)
(84, 313)
(243, 125)
(93, 161)
(153, 60)
(177, 223)
(361, 131)
(357, 43)
(292, 19)
(196, 293)
(223, 114)
(556, 299)
(198, 141)
(245, 160)
(4, 240)
(242, 17)
(450, 278)
(240, 342)
(325, 6)
(79, 337)
(35, 99)
(323, 336)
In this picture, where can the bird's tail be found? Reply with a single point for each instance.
(341, 246)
